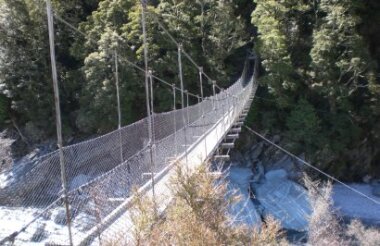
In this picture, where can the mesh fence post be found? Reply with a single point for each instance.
(214, 106)
(182, 97)
(174, 119)
(201, 80)
(152, 141)
(181, 74)
(214, 94)
(186, 125)
(152, 119)
(118, 105)
(187, 110)
(199, 126)
(203, 111)
(150, 74)
(58, 115)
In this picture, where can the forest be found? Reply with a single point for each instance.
(319, 75)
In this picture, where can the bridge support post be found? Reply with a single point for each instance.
(147, 94)
(214, 104)
(50, 18)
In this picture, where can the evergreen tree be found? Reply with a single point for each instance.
(24, 70)
(340, 59)
(341, 72)
(25, 73)
(277, 28)
(98, 102)
(314, 51)
(199, 26)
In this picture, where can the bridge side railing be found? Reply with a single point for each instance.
(117, 223)
(99, 178)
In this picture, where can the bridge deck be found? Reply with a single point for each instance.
(119, 222)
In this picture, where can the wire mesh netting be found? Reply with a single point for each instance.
(101, 172)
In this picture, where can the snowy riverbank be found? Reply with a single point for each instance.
(348, 204)
(354, 206)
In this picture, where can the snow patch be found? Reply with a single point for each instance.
(355, 206)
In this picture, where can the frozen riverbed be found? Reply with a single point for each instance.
(354, 206)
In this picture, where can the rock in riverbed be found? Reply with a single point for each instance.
(244, 211)
(283, 199)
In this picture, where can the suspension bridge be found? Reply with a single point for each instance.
(80, 194)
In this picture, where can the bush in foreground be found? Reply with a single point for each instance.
(198, 215)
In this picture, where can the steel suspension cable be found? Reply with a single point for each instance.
(122, 58)
(134, 65)
(312, 166)
(177, 43)
(147, 94)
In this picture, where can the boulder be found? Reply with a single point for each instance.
(258, 172)
(60, 218)
(240, 176)
(40, 234)
(46, 215)
(291, 166)
(276, 175)
(284, 200)
(247, 159)
(244, 211)
(256, 151)
(79, 180)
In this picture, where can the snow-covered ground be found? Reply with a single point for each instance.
(349, 204)
(42, 231)
(46, 230)
(352, 205)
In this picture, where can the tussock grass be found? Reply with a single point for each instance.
(324, 223)
(198, 215)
